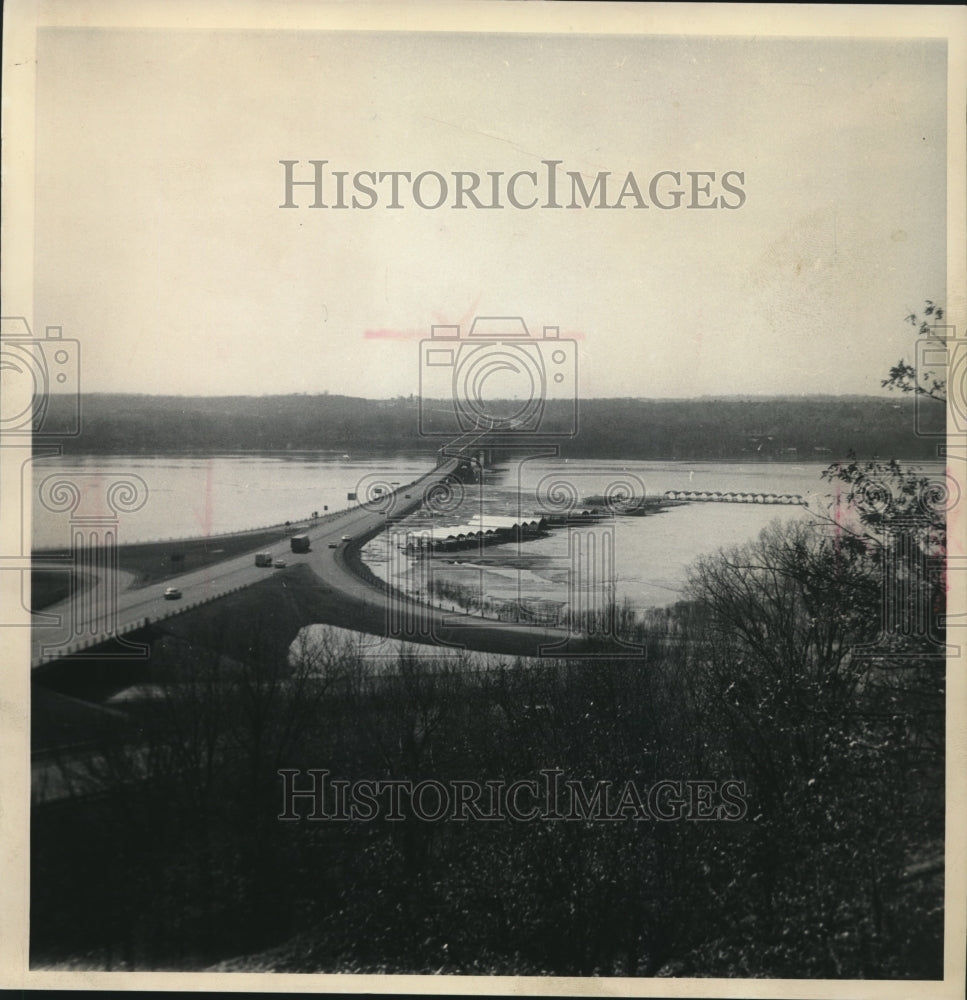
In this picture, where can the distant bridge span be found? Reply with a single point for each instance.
(702, 496)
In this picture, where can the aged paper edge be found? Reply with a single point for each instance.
(22, 18)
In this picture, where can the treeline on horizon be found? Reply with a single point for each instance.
(816, 428)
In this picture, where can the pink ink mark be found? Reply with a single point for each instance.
(387, 334)
(464, 322)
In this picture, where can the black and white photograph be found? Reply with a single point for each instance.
(482, 498)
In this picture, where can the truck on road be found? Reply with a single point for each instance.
(263, 558)
(299, 543)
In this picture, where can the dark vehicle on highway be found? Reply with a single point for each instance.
(172, 594)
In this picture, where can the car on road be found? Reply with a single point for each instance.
(172, 594)
(279, 564)
(334, 545)
(347, 538)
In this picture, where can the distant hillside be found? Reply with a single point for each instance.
(784, 428)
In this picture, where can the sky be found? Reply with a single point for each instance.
(160, 244)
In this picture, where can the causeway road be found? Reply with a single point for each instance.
(355, 599)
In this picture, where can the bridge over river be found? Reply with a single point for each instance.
(95, 620)
(104, 611)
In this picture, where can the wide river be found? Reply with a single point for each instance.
(192, 496)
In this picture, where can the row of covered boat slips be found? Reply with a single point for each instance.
(490, 530)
